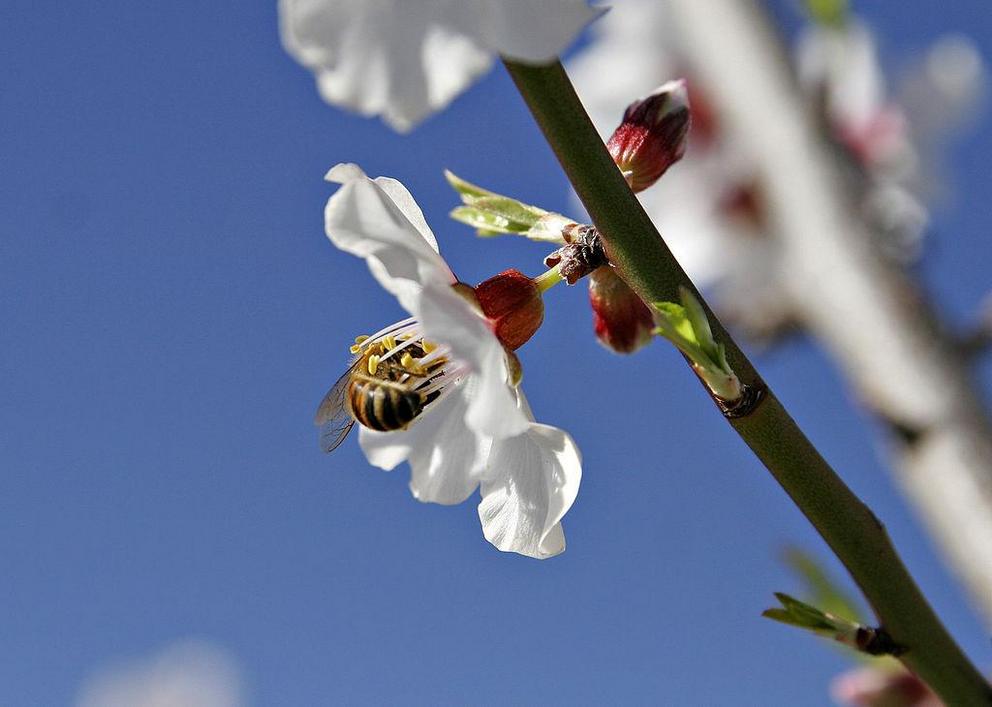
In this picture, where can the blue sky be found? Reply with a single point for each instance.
(172, 313)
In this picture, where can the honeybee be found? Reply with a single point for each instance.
(381, 396)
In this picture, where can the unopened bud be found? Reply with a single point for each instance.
(652, 136)
(622, 321)
(512, 303)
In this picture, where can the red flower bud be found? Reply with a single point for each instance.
(622, 321)
(652, 136)
(512, 303)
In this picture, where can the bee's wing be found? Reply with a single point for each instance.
(334, 414)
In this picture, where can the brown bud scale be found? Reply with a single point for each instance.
(582, 253)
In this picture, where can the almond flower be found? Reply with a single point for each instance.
(476, 429)
(405, 60)
(878, 686)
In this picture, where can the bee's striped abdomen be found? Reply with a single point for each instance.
(381, 406)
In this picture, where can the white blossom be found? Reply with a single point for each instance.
(478, 429)
(404, 59)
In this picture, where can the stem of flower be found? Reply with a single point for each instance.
(545, 281)
(852, 531)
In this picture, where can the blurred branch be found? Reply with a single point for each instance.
(876, 321)
(642, 258)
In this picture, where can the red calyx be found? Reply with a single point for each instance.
(512, 303)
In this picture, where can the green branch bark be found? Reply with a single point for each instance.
(852, 531)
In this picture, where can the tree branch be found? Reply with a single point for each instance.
(874, 319)
(853, 532)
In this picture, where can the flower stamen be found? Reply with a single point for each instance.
(373, 364)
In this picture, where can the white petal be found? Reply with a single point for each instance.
(535, 31)
(379, 221)
(404, 59)
(448, 318)
(405, 202)
(531, 483)
(845, 64)
(446, 458)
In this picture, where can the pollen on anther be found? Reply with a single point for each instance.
(389, 342)
(427, 346)
(406, 360)
(373, 364)
(355, 348)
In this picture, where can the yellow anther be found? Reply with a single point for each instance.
(373, 364)
(361, 339)
(388, 342)
(355, 348)
(427, 346)
(406, 360)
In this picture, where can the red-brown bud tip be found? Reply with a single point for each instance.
(512, 302)
(622, 321)
(652, 136)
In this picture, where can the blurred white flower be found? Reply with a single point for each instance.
(941, 94)
(886, 685)
(896, 138)
(709, 207)
(184, 674)
(405, 59)
(840, 71)
(634, 49)
(478, 428)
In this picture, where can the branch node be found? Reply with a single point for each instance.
(751, 396)
(877, 641)
(582, 253)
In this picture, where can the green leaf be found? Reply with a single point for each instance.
(465, 189)
(782, 616)
(674, 316)
(493, 214)
(484, 221)
(517, 216)
(822, 588)
(721, 357)
(700, 323)
(687, 327)
(806, 616)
